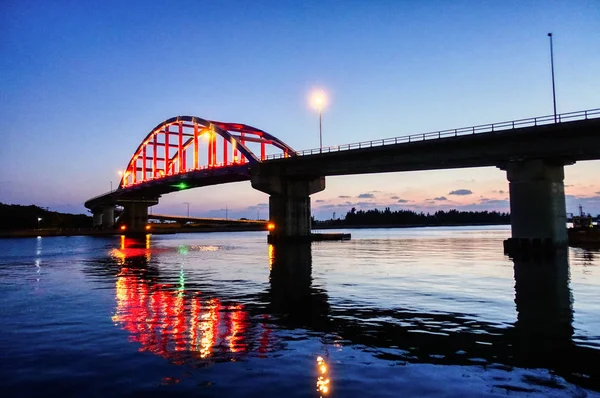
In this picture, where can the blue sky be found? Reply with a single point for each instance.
(82, 83)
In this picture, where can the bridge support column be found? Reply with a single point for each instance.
(289, 205)
(537, 206)
(135, 216)
(97, 219)
(108, 217)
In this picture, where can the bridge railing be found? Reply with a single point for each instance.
(482, 128)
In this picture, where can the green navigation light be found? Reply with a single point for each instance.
(182, 185)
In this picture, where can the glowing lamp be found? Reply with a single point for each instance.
(147, 227)
(270, 226)
(318, 100)
(123, 227)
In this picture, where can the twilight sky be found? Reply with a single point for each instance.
(82, 83)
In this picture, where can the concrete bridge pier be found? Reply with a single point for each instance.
(97, 218)
(537, 206)
(289, 205)
(135, 216)
(108, 217)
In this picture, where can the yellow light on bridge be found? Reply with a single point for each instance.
(148, 227)
(270, 226)
(123, 227)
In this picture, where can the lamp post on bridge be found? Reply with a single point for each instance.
(188, 208)
(318, 101)
(552, 67)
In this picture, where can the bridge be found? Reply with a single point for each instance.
(182, 153)
(205, 220)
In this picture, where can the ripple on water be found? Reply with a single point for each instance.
(416, 312)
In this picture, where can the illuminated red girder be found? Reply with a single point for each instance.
(198, 138)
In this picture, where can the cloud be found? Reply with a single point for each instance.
(499, 191)
(344, 197)
(440, 198)
(402, 201)
(366, 196)
(259, 206)
(461, 192)
(494, 202)
(395, 197)
(598, 193)
(319, 201)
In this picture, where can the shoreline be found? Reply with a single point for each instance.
(232, 228)
(393, 226)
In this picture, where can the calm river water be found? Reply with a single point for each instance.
(419, 312)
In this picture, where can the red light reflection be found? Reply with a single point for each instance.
(173, 325)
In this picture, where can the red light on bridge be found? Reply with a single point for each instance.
(270, 226)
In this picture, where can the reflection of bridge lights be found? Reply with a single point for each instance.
(118, 255)
(181, 287)
(323, 381)
(183, 250)
(271, 256)
(169, 323)
(209, 326)
(238, 328)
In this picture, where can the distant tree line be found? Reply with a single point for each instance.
(409, 217)
(18, 217)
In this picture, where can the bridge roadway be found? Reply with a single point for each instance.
(561, 143)
(209, 221)
(532, 151)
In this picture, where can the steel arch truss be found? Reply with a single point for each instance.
(187, 143)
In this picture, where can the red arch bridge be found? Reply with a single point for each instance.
(187, 152)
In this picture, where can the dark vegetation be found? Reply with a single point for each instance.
(18, 217)
(409, 217)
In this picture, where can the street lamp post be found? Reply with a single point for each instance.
(321, 129)
(318, 101)
(111, 186)
(552, 67)
(188, 208)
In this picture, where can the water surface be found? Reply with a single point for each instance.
(394, 312)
